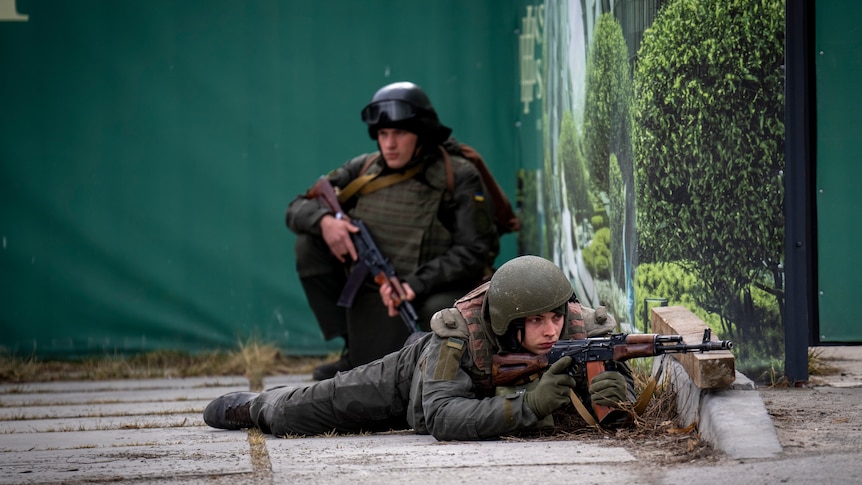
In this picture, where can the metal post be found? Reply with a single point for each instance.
(799, 315)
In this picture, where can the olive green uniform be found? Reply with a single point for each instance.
(441, 240)
(429, 386)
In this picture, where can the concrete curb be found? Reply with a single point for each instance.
(732, 420)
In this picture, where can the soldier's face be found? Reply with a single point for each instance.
(397, 146)
(541, 332)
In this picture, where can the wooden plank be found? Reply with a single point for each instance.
(708, 370)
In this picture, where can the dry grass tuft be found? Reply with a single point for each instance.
(654, 434)
(817, 365)
(259, 454)
(253, 359)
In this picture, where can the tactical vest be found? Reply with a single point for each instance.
(483, 345)
(402, 218)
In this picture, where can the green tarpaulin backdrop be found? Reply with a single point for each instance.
(149, 150)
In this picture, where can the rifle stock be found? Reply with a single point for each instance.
(323, 189)
(592, 356)
(370, 259)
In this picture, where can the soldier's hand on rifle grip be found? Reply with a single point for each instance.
(552, 392)
(391, 301)
(336, 232)
(609, 389)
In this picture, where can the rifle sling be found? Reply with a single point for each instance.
(368, 183)
(347, 192)
(640, 406)
(354, 282)
(645, 396)
(582, 410)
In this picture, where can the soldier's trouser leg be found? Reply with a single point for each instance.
(373, 333)
(322, 278)
(372, 397)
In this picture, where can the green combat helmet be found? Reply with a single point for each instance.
(524, 286)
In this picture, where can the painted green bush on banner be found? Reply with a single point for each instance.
(677, 114)
(709, 151)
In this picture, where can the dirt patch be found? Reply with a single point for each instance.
(815, 420)
(825, 414)
(651, 437)
(822, 416)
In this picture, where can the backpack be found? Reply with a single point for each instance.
(504, 216)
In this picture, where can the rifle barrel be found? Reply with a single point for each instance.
(701, 347)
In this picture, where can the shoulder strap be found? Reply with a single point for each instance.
(391, 179)
(447, 162)
(368, 161)
(367, 183)
(504, 215)
(350, 189)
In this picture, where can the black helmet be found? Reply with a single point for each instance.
(524, 286)
(404, 105)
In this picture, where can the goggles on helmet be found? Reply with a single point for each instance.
(395, 110)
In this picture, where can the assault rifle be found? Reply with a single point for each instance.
(592, 356)
(370, 260)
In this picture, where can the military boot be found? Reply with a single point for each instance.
(231, 411)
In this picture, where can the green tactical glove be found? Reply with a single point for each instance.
(609, 389)
(552, 392)
(542, 424)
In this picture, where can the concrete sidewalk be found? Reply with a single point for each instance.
(151, 431)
